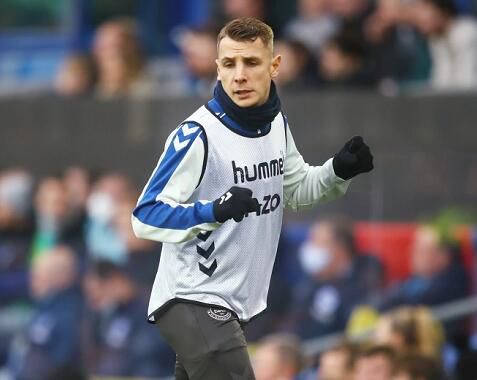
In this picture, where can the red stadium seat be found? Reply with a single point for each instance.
(392, 243)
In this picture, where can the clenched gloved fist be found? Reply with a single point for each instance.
(354, 158)
(235, 203)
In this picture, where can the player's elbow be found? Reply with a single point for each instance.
(140, 230)
(144, 231)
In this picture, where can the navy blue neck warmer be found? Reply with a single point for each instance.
(251, 118)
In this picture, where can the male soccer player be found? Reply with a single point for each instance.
(216, 198)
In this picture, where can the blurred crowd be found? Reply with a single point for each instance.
(74, 285)
(384, 45)
(75, 281)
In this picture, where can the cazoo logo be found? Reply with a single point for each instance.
(269, 204)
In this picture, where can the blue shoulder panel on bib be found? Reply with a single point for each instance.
(162, 215)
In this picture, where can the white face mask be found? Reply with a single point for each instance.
(101, 207)
(313, 259)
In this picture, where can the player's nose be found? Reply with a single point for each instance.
(239, 74)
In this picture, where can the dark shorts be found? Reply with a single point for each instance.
(209, 343)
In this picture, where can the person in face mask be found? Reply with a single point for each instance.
(335, 279)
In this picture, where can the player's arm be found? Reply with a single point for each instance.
(306, 185)
(162, 212)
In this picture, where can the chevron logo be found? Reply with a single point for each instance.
(204, 235)
(205, 253)
(186, 130)
(178, 144)
(210, 270)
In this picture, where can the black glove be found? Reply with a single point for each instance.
(235, 203)
(354, 158)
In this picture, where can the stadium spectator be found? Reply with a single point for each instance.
(437, 273)
(411, 330)
(343, 62)
(337, 362)
(417, 367)
(52, 339)
(16, 187)
(103, 240)
(76, 76)
(352, 14)
(77, 183)
(453, 43)
(336, 280)
(260, 9)
(374, 363)
(16, 230)
(122, 69)
(314, 25)
(243, 8)
(399, 53)
(51, 209)
(122, 343)
(59, 219)
(198, 47)
(297, 68)
(278, 357)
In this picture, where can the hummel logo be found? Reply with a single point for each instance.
(225, 197)
(187, 131)
(205, 253)
(178, 145)
(210, 270)
(204, 235)
(220, 115)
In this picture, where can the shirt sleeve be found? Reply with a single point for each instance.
(305, 185)
(162, 212)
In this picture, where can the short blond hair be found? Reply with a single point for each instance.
(421, 332)
(247, 29)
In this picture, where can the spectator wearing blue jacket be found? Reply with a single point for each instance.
(52, 339)
(120, 341)
(437, 273)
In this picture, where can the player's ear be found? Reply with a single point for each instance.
(275, 65)
(218, 69)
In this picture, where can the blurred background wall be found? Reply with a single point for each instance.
(424, 145)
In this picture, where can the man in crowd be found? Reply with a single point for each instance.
(121, 344)
(336, 279)
(52, 339)
(278, 357)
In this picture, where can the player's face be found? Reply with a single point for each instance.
(246, 70)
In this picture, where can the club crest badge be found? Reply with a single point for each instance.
(219, 314)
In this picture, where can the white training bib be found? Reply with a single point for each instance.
(231, 266)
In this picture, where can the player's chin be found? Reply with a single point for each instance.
(250, 101)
